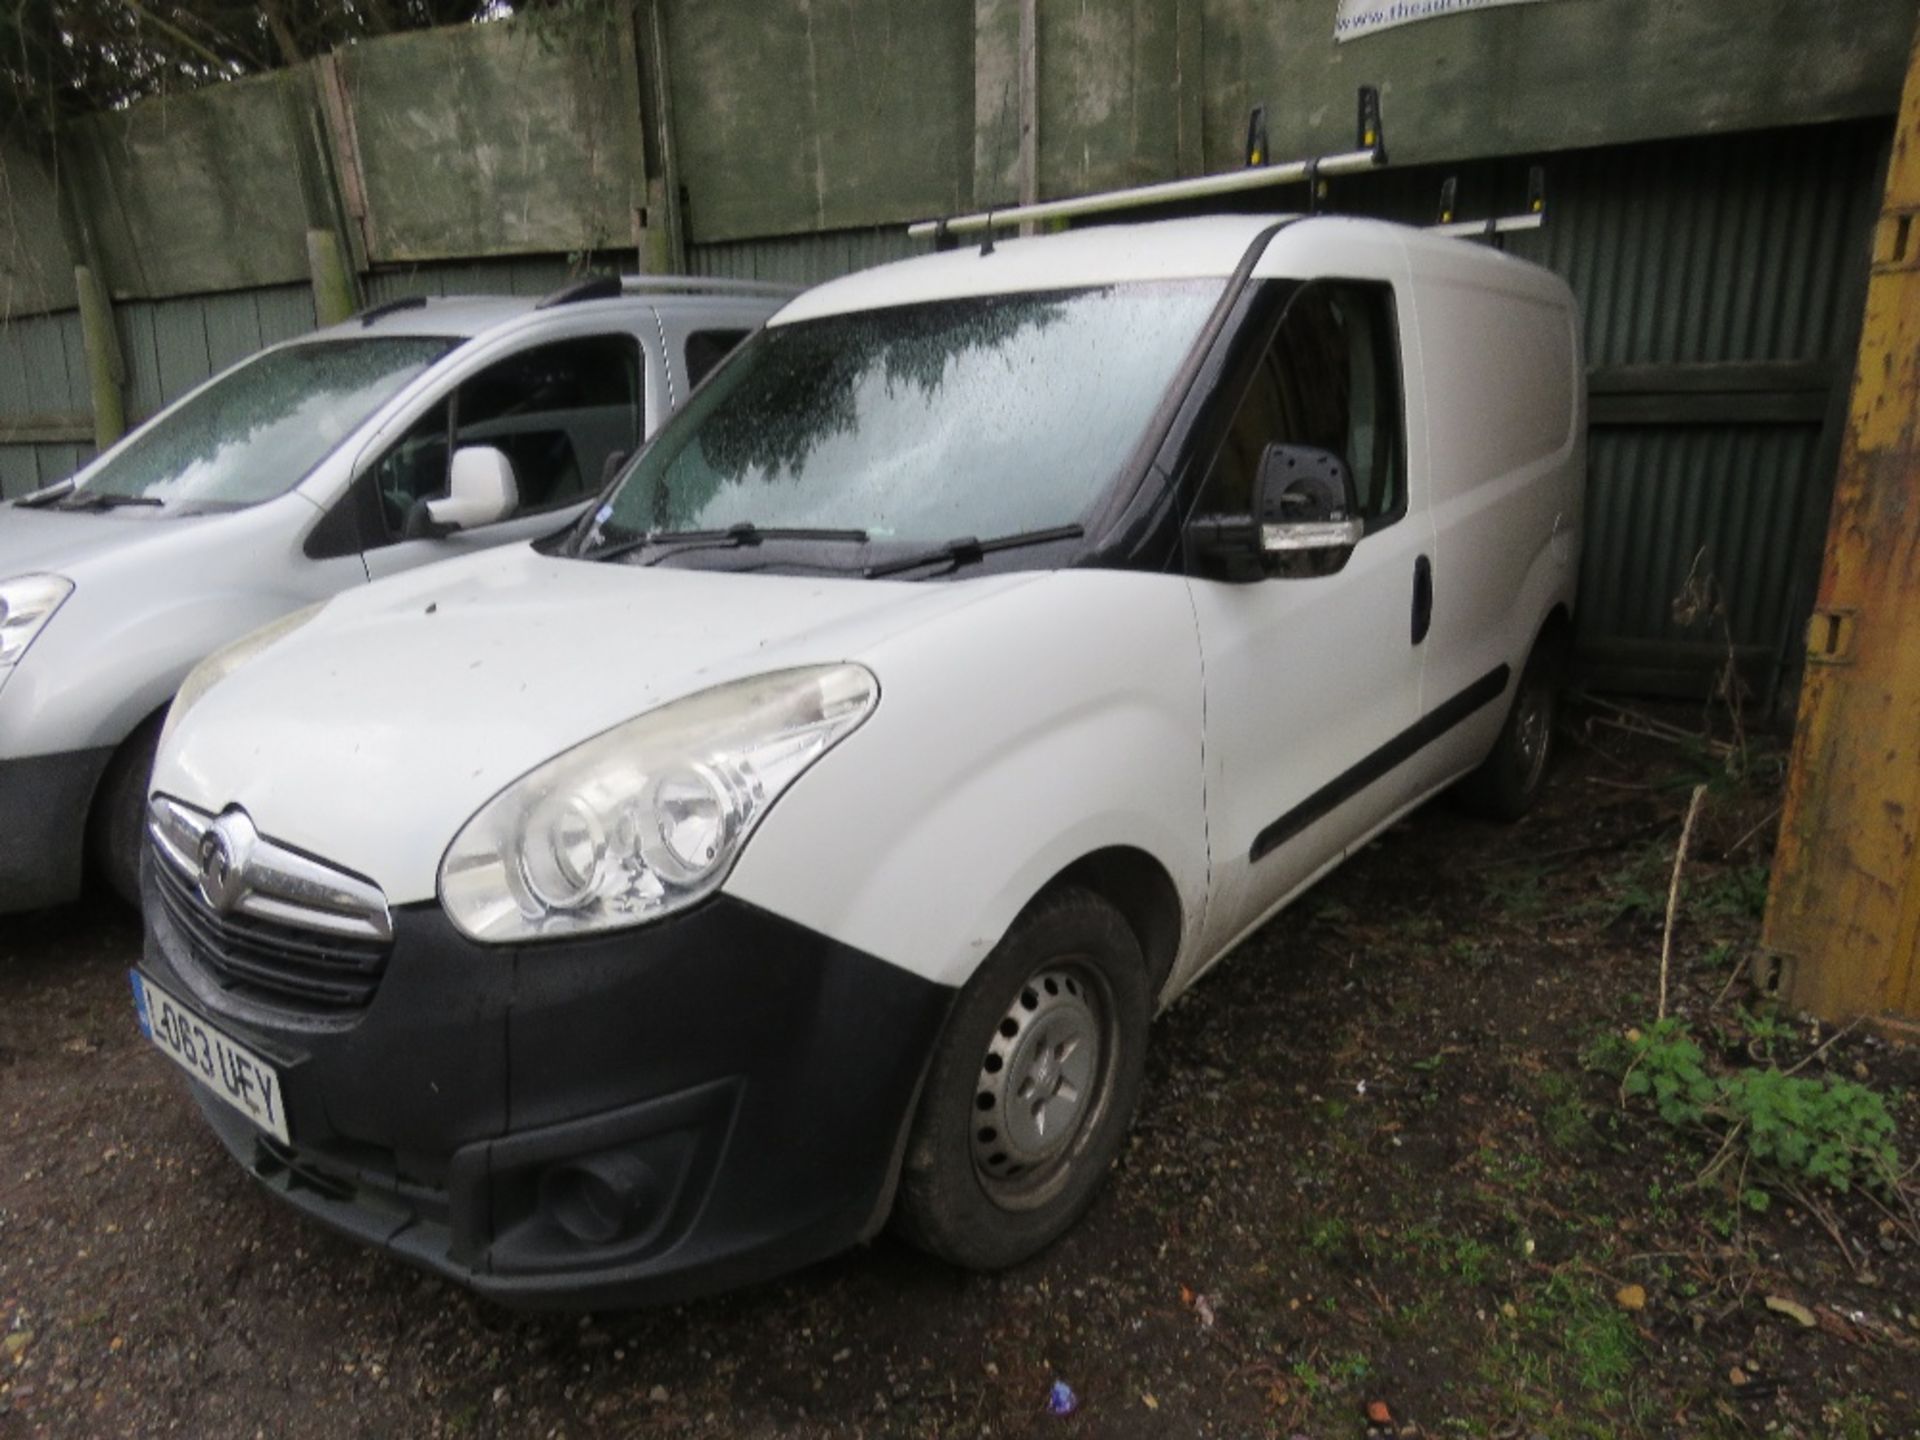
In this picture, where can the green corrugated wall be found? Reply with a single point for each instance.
(1745, 248)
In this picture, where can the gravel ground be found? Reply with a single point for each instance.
(1381, 1182)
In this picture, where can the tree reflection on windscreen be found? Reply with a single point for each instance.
(982, 416)
(256, 432)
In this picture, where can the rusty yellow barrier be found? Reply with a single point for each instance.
(1843, 917)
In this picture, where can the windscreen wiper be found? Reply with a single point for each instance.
(107, 501)
(46, 495)
(968, 551)
(731, 538)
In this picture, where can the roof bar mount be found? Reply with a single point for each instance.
(1495, 227)
(1369, 152)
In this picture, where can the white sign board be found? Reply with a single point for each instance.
(1354, 18)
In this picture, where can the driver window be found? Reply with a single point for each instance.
(1330, 378)
(414, 469)
(556, 411)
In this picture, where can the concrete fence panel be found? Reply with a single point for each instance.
(502, 139)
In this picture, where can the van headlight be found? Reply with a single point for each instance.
(27, 602)
(224, 661)
(648, 817)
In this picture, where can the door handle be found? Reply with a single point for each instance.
(1422, 598)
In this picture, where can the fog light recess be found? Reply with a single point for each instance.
(601, 1199)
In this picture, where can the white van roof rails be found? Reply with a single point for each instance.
(1532, 218)
(1370, 150)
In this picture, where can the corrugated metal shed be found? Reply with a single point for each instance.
(1720, 285)
(44, 405)
(528, 275)
(1708, 268)
(804, 259)
(169, 346)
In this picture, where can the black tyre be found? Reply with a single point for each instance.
(1032, 1089)
(119, 825)
(1510, 779)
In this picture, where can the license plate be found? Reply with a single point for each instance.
(219, 1062)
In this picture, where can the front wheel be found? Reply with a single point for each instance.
(1509, 780)
(119, 824)
(1032, 1088)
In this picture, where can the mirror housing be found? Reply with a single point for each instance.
(481, 491)
(1303, 521)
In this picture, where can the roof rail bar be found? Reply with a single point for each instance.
(611, 287)
(1495, 226)
(390, 307)
(591, 287)
(702, 285)
(1370, 150)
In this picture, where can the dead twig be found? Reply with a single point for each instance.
(1826, 1045)
(1673, 891)
(1553, 859)
(1669, 734)
(1741, 844)
(1721, 1156)
(1733, 977)
(1827, 1223)
(1904, 1222)
(1636, 722)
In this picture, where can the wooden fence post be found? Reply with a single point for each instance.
(332, 283)
(106, 368)
(670, 217)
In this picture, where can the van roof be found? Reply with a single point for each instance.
(1204, 247)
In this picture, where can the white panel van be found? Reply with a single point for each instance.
(807, 837)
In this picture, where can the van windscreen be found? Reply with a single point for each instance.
(979, 416)
(257, 431)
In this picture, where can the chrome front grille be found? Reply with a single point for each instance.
(264, 922)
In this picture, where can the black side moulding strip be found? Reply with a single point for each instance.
(1390, 756)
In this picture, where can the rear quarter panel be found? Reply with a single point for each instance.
(1498, 347)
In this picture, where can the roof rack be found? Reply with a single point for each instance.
(1370, 150)
(390, 307)
(611, 287)
(1532, 218)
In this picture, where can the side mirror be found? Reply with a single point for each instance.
(482, 490)
(1302, 524)
(610, 467)
(1305, 502)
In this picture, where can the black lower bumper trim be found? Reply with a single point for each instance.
(624, 1119)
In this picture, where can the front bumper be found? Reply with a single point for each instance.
(44, 804)
(736, 1087)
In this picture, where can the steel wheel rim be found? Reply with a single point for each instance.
(1043, 1085)
(1533, 733)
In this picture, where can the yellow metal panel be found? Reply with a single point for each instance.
(1845, 905)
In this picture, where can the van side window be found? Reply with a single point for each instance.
(706, 349)
(1329, 378)
(556, 411)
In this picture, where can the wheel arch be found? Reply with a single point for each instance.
(105, 786)
(1139, 887)
(1557, 627)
